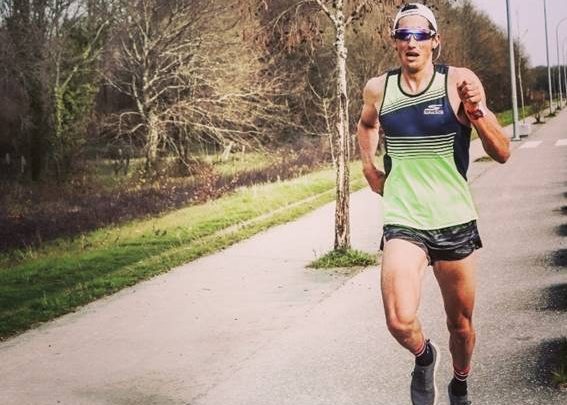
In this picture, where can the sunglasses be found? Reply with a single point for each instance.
(405, 34)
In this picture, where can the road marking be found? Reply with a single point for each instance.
(530, 144)
(561, 142)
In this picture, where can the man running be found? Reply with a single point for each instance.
(426, 112)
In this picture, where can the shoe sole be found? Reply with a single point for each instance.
(437, 361)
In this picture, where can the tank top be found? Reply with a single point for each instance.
(427, 156)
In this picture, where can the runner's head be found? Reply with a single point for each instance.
(416, 9)
(415, 36)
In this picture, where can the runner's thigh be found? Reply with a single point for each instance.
(402, 268)
(457, 283)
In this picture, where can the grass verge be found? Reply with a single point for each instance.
(344, 258)
(507, 117)
(37, 285)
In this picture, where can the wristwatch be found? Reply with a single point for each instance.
(476, 114)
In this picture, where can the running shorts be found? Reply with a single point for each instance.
(451, 243)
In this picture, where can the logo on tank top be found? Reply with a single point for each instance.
(434, 109)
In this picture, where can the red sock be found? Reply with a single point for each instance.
(459, 383)
(461, 375)
(424, 356)
(422, 348)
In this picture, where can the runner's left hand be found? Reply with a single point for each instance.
(469, 94)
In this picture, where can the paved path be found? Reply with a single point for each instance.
(251, 326)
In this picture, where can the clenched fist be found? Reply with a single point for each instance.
(470, 95)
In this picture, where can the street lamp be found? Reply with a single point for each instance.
(515, 134)
(520, 69)
(565, 66)
(559, 63)
(547, 54)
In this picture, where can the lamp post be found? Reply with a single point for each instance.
(520, 68)
(547, 55)
(559, 63)
(516, 135)
(565, 66)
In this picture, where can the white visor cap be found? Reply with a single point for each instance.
(418, 9)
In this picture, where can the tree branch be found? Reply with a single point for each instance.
(327, 11)
(355, 13)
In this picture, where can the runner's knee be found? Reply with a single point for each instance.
(461, 327)
(401, 325)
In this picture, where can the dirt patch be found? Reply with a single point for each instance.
(484, 159)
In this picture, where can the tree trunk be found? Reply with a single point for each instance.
(342, 221)
(27, 27)
(152, 144)
(37, 147)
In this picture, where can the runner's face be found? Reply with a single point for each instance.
(415, 55)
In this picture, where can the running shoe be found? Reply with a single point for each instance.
(423, 388)
(458, 400)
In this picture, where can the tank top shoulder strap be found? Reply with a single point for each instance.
(442, 71)
(390, 88)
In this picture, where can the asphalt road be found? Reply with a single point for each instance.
(251, 325)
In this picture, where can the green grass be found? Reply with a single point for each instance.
(559, 375)
(507, 117)
(344, 258)
(103, 169)
(239, 162)
(37, 285)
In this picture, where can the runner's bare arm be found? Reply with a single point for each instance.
(367, 133)
(471, 92)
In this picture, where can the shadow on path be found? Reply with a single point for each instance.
(554, 298)
(547, 355)
(559, 258)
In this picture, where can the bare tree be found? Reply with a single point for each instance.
(188, 78)
(340, 23)
(301, 23)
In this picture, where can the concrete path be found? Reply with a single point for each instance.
(251, 325)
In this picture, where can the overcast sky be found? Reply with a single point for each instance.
(529, 14)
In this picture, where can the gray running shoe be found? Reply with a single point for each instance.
(423, 388)
(456, 400)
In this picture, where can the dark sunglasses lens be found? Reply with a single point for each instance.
(422, 36)
(402, 36)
